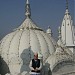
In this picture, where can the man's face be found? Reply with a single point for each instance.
(35, 56)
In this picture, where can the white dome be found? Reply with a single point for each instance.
(49, 32)
(60, 55)
(17, 48)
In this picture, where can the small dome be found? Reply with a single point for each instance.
(49, 32)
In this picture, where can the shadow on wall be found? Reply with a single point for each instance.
(26, 57)
(4, 69)
(47, 69)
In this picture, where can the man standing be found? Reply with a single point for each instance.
(35, 65)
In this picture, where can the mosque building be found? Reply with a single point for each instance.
(18, 47)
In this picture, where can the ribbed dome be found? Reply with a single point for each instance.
(17, 48)
(60, 55)
(27, 37)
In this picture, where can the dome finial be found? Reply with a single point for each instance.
(28, 11)
(27, 2)
(67, 12)
(66, 4)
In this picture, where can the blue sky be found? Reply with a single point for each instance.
(44, 13)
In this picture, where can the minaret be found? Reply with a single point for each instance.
(28, 10)
(67, 30)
